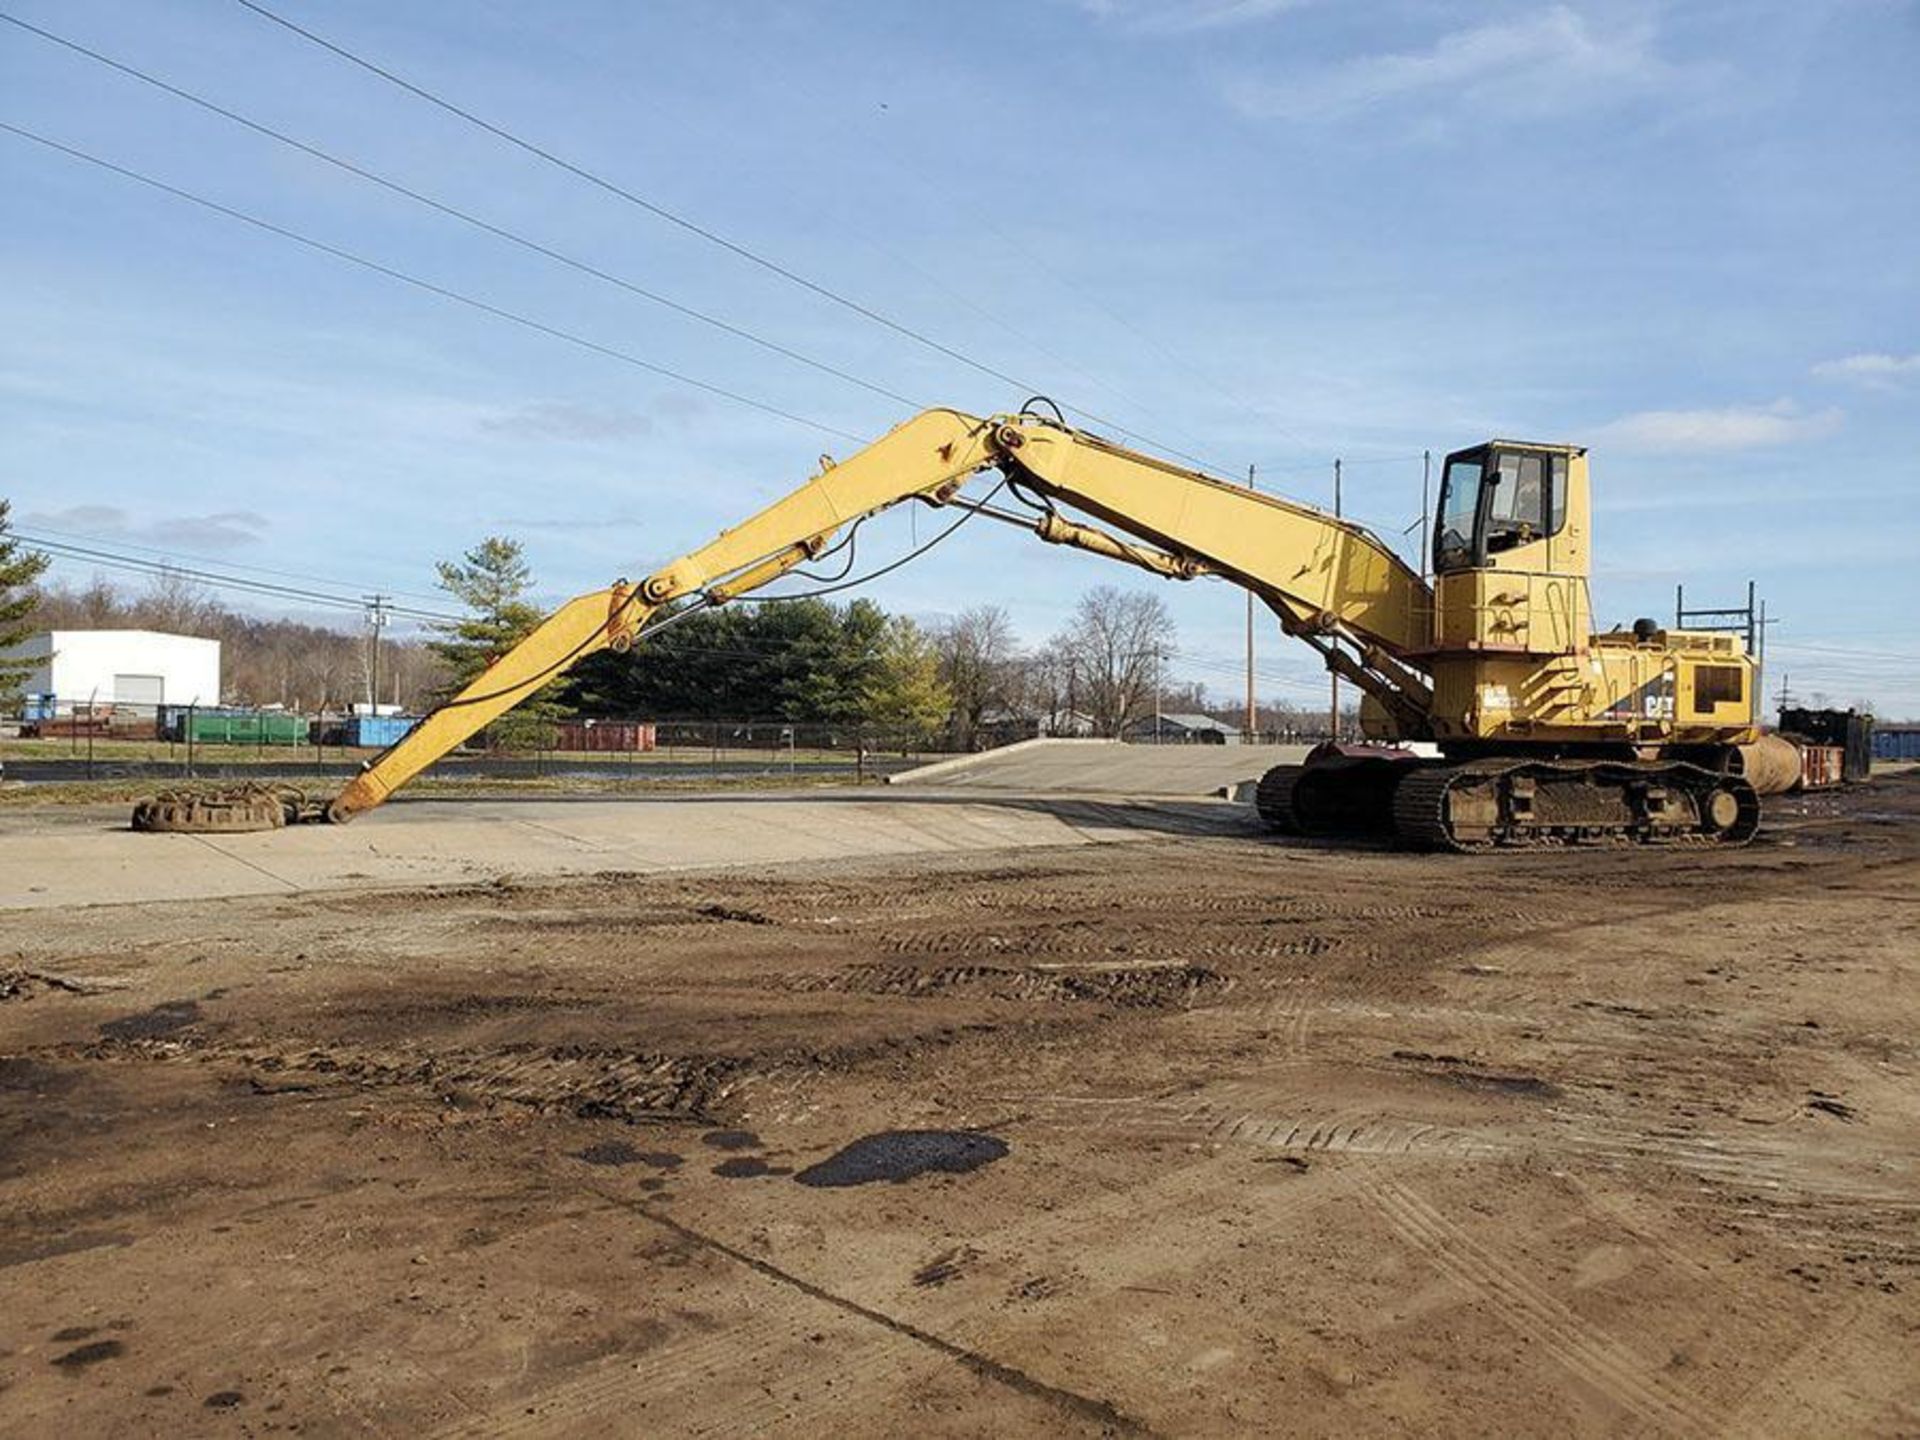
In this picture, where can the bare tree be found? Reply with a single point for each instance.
(416, 673)
(176, 604)
(97, 606)
(1184, 696)
(1046, 685)
(977, 659)
(1118, 641)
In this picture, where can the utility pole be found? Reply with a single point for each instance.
(1333, 711)
(377, 618)
(1426, 530)
(1157, 722)
(1253, 714)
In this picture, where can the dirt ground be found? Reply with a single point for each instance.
(1190, 1136)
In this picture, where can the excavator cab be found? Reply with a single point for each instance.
(1510, 550)
(1501, 498)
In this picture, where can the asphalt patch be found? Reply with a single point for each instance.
(163, 1019)
(897, 1156)
(90, 1354)
(610, 1152)
(19, 1073)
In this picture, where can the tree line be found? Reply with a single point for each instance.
(810, 661)
(958, 680)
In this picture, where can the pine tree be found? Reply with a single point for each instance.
(19, 568)
(492, 581)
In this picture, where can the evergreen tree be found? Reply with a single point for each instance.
(798, 661)
(492, 581)
(905, 695)
(19, 568)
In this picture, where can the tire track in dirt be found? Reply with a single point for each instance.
(1300, 1008)
(1150, 985)
(1801, 1370)
(1286, 1020)
(1093, 937)
(1368, 1131)
(1227, 1119)
(1246, 1115)
(1267, 1116)
(1773, 1167)
(586, 1081)
(1584, 1349)
(1069, 1403)
(1182, 903)
(720, 1375)
(1151, 1239)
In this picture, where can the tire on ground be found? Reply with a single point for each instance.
(209, 815)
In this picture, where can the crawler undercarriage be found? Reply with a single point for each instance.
(1508, 802)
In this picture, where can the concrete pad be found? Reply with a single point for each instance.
(50, 860)
(1105, 767)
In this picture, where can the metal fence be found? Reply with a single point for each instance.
(89, 740)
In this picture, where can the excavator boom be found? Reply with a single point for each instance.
(1329, 581)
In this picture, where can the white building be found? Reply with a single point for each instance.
(119, 667)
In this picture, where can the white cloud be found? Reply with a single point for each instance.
(1172, 17)
(1736, 427)
(1541, 63)
(563, 420)
(1875, 371)
(222, 530)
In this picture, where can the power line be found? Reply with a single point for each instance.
(463, 216)
(1800, 647)
(168, 556)
(63, 550)
(485, 307)
(692, 227)
(1321, 468)
(915, 171)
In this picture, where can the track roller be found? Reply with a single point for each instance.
(1508, 804)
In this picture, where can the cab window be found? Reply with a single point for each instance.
(1516, 501)
(1495, 501)
(1459, 500)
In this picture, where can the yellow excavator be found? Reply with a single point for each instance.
(1545, 732)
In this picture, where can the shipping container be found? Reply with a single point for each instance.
(233, 727)
(604, 735)
(377, 732)
(1902, 743)
(1822, 766)
(1850, 730)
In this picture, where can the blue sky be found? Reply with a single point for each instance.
(1258, 231)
